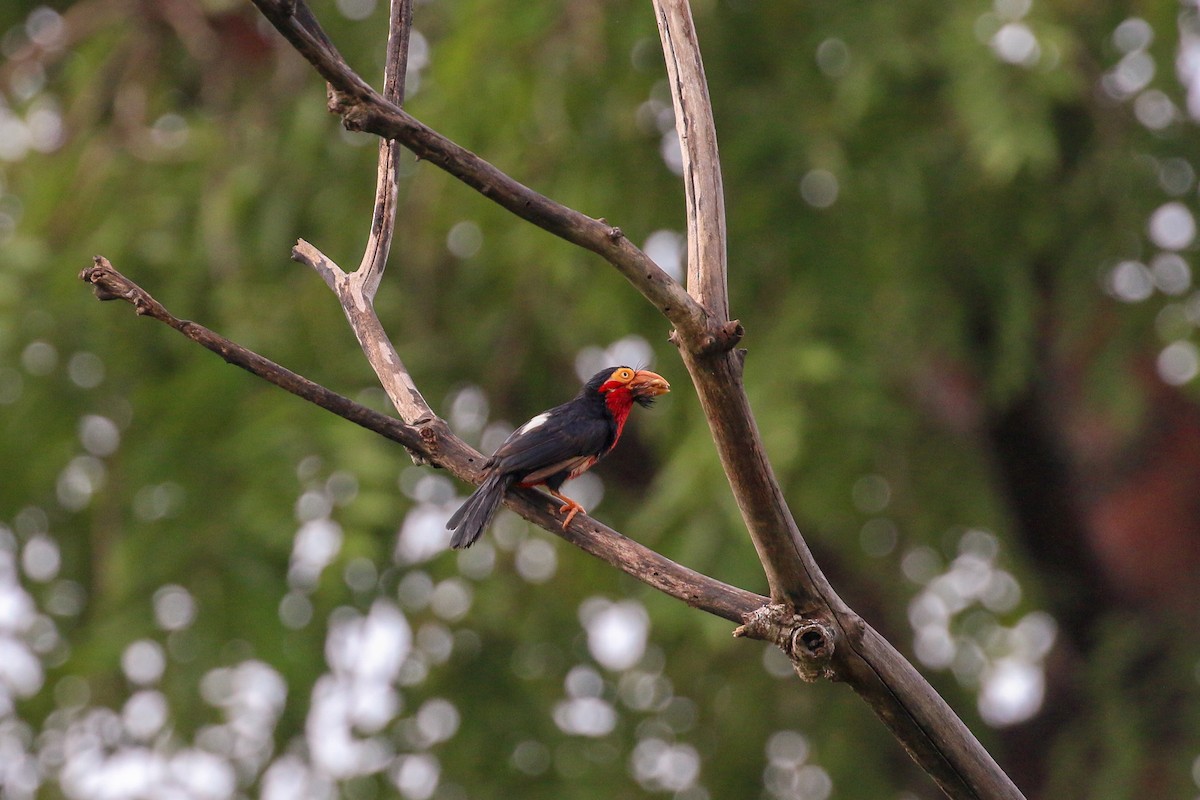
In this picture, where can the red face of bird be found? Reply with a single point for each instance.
(642, 384)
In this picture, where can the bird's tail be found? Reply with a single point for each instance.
(475, 514)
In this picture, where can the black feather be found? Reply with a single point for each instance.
(475, 514)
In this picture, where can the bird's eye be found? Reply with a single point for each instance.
(624, 374)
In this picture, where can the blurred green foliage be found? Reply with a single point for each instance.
(976, 204)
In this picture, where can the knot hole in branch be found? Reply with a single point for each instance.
(808, 642)
(724, 338)
(720, 338)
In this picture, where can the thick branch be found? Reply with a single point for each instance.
(596, 235)
(295, 20)
(437, 445)
(792, 573)
(927, 727)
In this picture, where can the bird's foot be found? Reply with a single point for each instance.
(570, 507)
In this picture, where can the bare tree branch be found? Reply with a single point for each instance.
(359, 307)
(362, 108)
(383, 221)
(437, 445)
(109, 284)
(792, 573)
(704, 194)
(356, 291)
(929, 730)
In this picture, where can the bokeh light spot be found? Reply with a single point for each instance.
(819, 188)
(86, 370)
(465, 239)
(1015, 43)
(617, 632)
(356, 10)
(585, 716)
(1154, 109)
(662, 766)
(1130, 282)
(40, 357)
(416, 776)
(1178, 363)
(174, 607)
(531, 757)
(40, 558)
(1172, 226)
(1011, 692)
(833, 57)
(536, 560)
(99, 435)
(667, 248)
(143, 662)
(1171, 274)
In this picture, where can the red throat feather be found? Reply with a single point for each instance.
(619, 401)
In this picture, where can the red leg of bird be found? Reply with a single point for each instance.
(568, 503)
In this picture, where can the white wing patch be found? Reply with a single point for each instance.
(534, 423)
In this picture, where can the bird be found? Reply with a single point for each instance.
(557, 445)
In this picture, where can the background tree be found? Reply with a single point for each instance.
(932, 219)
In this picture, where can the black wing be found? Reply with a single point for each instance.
(563, 437)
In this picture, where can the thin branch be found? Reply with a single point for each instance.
(359, 308)
(362, 108)
(109, 284)
(704, 194)
(356, 291)
(437, 445)
(383, 221)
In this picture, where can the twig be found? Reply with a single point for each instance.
(360, 311)
(383, 221)
(704, 194)
(356, 291)
(109, 284)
